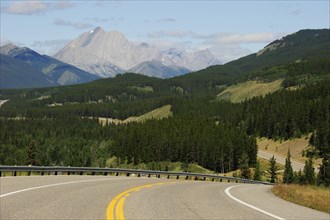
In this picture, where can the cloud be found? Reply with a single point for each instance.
(234, 38)
(49, 47)
(171, 34)
(224, 46)
(34, 7)
(76, 25)
(63, 5)
(166, 44)
(26, 7)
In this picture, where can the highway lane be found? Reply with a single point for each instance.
(89, 197)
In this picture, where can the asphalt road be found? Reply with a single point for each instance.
(98, 197)
(296, 166)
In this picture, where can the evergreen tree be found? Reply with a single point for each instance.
(257, 172)
(272, 169)
(299, 178)
(244, 166)
(288, 171)
(32, 153)
(323, 177)
(309, 171)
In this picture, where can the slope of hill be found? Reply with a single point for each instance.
(18, 74)
(158, 113)
(249, 89)
(55, 71)
(304, 45)
(157, 69)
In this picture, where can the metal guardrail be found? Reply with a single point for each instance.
(55, 170)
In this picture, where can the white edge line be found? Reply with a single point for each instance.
(248, 205)
(50, 185)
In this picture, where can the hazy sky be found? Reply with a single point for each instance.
(229, 29)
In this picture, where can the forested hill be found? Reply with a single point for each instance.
(304, 45)
(58, 126)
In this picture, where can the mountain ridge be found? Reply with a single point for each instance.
(97, 50)
(39, 66)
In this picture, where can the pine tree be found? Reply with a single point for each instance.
(257, 172)
(32, 153)
(309, 172)
(323, 177)
(288, 171)
(300, 178)
(244, 166)
(272, 169)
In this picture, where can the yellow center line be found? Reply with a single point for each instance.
(115, 210)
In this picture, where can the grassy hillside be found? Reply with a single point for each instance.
(159, 113)
(298, 148)
(248, 90)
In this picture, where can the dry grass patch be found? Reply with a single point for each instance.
(310, 196)
(250, 89)
(296, 146)
(159, 113)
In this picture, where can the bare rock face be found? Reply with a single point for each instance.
(109, 53)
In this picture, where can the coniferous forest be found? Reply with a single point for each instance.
(59, 126)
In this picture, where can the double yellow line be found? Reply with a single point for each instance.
(115, 209)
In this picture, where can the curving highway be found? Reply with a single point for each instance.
(105, 197)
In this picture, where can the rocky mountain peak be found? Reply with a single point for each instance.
(5, 49)
(108, 53)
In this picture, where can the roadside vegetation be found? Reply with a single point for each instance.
(307, 195)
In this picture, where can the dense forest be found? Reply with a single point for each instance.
(59, 126)
(83, 142)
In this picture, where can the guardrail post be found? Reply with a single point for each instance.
(228, 181)
(42, 173)
(117, 173)
(158, 176)
(177, 177)
(148, 175)
(127, 174)
(105, 174)
(55, 173)
(68, 173)
(15, 173)
(196, 178)
(204, 178)
(93, 173)
(0, 174)
(139, 174)
(220, 180)
(29, 173)
(212, 179)
(186, 177)
(168, 176)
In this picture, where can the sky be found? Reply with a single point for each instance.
(229, 29)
